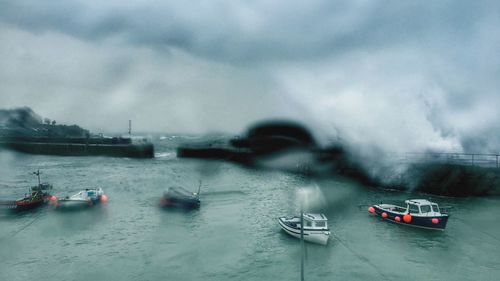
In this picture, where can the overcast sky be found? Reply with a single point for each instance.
(404, 75)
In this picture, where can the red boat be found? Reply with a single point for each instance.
(39, 195)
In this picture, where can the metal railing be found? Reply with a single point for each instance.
(466, 159)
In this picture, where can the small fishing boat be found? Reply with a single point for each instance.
(38, 195)
(418, 213)
(180, 197)
(84, 198)
(315, 227)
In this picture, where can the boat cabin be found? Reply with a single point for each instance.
(91, 193)
(318, 221)
(43, 187)
(40, 190)
(422, 207)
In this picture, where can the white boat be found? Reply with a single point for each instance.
(87, 197)
(315, 227)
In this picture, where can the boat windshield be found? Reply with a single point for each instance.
(435, 208)
(413, 208)
(320, 224)
(425, 208)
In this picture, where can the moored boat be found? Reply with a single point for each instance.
(37, 196)
(315, 227)
(180, 197)
(418, 213)
(83, 198)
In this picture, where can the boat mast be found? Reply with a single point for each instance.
(129, 128)
(37, 173)
(199, 187)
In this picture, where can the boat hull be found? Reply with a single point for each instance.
(73, 203)
(313, 236)
(29, 206)
(416, 220)
(179, 203)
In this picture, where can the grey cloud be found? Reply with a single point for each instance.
(258, 30)
(367, 69)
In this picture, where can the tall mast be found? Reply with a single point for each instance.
(199, 188)
(129, 128)
(37, 173)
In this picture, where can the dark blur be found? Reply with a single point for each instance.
(290, 146)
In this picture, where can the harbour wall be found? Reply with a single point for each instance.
(143, 150)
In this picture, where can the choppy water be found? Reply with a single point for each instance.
(234, 235)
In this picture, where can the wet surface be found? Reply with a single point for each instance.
(234, 235)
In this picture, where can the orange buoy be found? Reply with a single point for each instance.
(407, 218)
(397, 218)
(53, 198)
(371, 209)
(384, 215)
(104, 198)
(435, 220)
(163, 201)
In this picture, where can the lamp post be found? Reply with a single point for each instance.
(304, 199)
(302, 250)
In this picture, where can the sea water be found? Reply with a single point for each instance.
(235, 234)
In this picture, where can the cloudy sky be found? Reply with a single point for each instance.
(403, 75)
